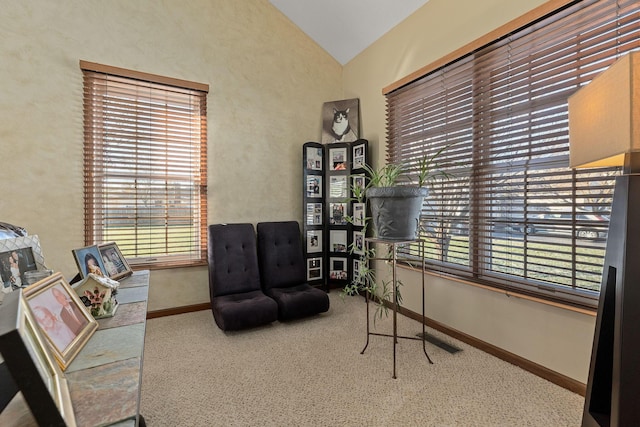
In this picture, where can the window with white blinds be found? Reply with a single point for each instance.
(514, 215)
(145, 165)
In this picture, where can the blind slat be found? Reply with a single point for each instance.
(515, 215)
(145, 167)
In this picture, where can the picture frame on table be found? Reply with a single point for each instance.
(115, 264)
(89, 260)
(63, 319)
(32, 365)
(17, 256)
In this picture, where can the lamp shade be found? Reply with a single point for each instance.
(604, 116)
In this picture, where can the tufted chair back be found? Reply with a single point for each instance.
(233, 259)
(281, 257)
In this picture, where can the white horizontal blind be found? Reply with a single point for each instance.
(145, 169)
(514, 215)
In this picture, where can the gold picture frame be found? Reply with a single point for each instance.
(116, 265)
(32, 365)
(64, 320)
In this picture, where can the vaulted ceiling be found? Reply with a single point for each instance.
(344, 28)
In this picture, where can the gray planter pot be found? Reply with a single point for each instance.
(395, 211)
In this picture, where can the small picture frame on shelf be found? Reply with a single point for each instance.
(116, 265)
(338, 159)
(338, 240)
(314, 241)
(314, 186)
(314, 158)
(17, 256)
(314, 213)
(359, 157)
(359, 213)
(338, 268)
(62, 317)
(314, 269)
(338, 212)
(32, 366)
(88, 260)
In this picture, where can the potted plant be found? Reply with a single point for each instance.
(396, 199)
(396, 203)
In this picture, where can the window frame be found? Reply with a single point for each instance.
(403, 143)
(166, 119)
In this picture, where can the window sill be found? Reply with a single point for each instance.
(503, 291)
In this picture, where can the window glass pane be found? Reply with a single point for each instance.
(145, 169)
(514, 214)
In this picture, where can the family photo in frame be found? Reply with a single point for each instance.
(33, 367)
(17, 256)
(62, 317)
(116, 266)
(103, 260)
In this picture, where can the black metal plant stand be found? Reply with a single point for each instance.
(394, 261)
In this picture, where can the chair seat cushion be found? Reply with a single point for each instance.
(299, 301)
(245, 310)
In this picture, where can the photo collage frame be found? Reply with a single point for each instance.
(334, 219)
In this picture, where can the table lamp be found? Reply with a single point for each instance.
(604, 130)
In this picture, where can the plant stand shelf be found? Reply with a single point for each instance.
(394, 261)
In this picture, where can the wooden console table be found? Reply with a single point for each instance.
(105, 377)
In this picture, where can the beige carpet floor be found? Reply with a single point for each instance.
(311, 373)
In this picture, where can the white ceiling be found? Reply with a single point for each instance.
(344, 28)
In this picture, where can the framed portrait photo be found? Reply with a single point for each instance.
(63, 319)
(115, 265)
(89, 260)
(32, 365)
(17, 256)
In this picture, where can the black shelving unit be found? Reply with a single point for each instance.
(329, 172)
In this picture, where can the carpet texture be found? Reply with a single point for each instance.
(311, 373)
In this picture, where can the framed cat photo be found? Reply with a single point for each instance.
(340, 121)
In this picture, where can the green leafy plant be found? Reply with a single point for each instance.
(389, 175)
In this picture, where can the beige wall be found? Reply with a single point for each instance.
(267, 84)
(556, 338)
